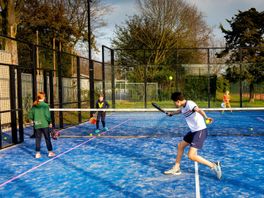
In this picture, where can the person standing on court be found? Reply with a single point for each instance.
(40, 115)
(101, 103)
(226, 100)
(195, 118)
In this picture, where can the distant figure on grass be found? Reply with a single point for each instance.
(226, 100)
(40, 115)
(101, 103)
(195, 118)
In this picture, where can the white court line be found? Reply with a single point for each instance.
(197, 182)
(59, 155)
(261, 119)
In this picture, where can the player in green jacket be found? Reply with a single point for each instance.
(40, 115)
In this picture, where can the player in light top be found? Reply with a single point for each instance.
(195, 118)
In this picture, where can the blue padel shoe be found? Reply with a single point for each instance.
(97, 131)
(105, 129)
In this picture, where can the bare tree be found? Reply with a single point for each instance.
(10, 13)
(66, 20)
(164, 24)
(182, 23)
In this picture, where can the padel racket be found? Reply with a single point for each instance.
(158, 107)
(92, 120)
(54, 133)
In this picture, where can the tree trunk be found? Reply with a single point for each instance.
(11, 30)
(251, 92)
(54, 66)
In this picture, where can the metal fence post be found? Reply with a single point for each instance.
(20, 106)
(113, 77)
(240, 80)
(34, 76)
(103, 70)
(51, 97)
(145, 80)
(79, 89)
(45, 86)
(34, 72)
(60, 85)
(209, 78)
(13, 103)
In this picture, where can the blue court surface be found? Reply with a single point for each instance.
(131, 164)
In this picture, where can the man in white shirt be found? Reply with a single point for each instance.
(195, 118)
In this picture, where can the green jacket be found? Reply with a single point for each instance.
(40, 114)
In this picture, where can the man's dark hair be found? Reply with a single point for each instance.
(177, 96)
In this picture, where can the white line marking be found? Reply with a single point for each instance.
(261, 119)
(35, 167)
(59, 155)
(197, 182)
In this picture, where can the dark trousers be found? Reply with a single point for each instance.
(100, 116)
(46, 133)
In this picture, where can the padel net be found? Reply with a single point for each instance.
(152, 123)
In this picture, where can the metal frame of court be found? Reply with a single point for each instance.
(15, 83)
(114, 53)
(15, 88)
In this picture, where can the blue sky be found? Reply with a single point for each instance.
(214, 12)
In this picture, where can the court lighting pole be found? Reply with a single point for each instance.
(91, 66)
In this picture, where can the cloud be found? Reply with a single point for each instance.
(122, 10)
(217, 12)
(214, 11)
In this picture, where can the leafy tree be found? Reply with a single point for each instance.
(161, 26)
(64, 20)
(245, 46)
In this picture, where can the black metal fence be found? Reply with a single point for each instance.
(62, 76)
(129, 78)
(139, 76)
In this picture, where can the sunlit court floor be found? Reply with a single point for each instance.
(106, 166)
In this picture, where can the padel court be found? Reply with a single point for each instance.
(130, 158)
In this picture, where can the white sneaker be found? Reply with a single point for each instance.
(173, 171)
(217, 169)
(38, 155)
(51, 154)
